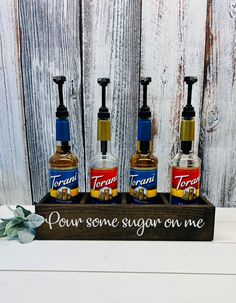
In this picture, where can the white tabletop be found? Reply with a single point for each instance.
(122, 271)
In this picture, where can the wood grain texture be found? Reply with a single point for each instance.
(14, 169)
(173, 39)
(122, 40)
(111, 48)
(85, 221)
(50, 46)
(218, 144)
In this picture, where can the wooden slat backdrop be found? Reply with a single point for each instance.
(218, 144)
(111, 48)
(173, 41)
(123, 40)
(14, 168)
(50, 46)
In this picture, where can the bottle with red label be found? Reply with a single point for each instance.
(186, 166)
(104, 165)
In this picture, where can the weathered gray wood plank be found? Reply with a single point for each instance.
(50, 46)
(173, 42)
(14, 169)
(218, 144)
(173, 39)
(111, 48)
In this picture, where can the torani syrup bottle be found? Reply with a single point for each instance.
(143, 164)
(103, 169)
(63, 165)
(185, 188)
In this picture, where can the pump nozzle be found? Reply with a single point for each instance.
(144, 111)
(188, 111)
(62, 111)
(103, 110)
(104, 124)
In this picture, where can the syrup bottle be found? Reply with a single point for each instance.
(104, 165)
(63, 165)
(143, 164)
(185, 188)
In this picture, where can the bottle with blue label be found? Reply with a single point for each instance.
(63, 165)
(143, 164)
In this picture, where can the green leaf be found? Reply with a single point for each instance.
(25, 211)
(19, 213)
(12, 233)
(17, 220)
(2, 230)
(12, 227)
(6, 220)
(26, 235)
(9, 225)
(10, 230)
(34, 220)
(3, 224)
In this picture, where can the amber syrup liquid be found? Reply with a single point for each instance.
(63, 160)
(144, 161)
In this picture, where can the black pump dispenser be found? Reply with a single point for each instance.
(62, 111)
(103, 110)
(104, 124)
(186, 165)
(143, 163)
(144, 121)
(144, 111)
(188, 111)
(187, 130)
(62, 114)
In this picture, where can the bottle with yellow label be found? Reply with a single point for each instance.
(143, 164)
(104, 165)
(63, 165)
(186, 166)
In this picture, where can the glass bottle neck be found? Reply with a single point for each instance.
(187, 134)
(104, 147)
(144, 147)
(186, 147)
(63, 147)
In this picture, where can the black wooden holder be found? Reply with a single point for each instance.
(126, 221)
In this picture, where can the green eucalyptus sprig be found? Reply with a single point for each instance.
(23, 225)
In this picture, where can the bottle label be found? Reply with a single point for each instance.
(64, 184)
(143, 184)
(186, 183)
(104, 183)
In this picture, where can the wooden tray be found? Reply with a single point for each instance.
(125, 221)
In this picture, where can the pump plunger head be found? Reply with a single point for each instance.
(103, 110)
(62, 111)
(145, 80)
(188, 111)
(144, 111)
